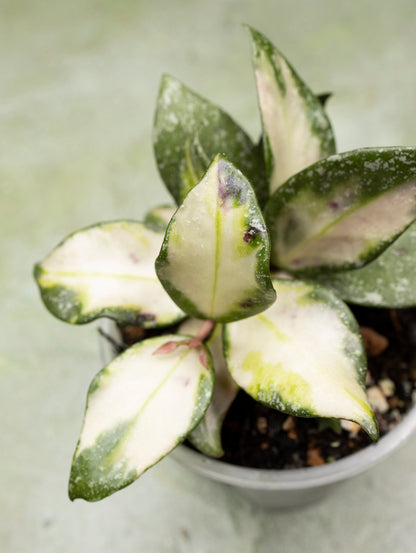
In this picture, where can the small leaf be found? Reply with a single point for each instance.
(138, 409)
(158, 218)
(214, 261)
(296, 129)
(303, 356)
(107, 270)
(207, 435)
(189, 131)
(343, 211)
(388, 281)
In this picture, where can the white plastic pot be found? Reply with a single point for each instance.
(296, 487)
(285, 488)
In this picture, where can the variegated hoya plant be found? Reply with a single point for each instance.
(244, 283)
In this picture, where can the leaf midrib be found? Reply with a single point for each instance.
(150, 398)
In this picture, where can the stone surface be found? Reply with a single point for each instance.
(78, 83)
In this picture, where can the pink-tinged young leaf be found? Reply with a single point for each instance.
(342, 212)
(214, 261)
(167, 347)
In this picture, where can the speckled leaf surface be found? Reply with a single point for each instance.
(189, 131)
(207, 435)
(139, 408)
(158, 218)
(388, 281)
(304, 356)
(107, 270)
(296, 129)
(343, 211)
(214, 261)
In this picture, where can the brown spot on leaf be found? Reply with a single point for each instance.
(247, 303)
(228, 186)
(251, 233)
(144, 318)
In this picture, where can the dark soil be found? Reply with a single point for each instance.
(256, 436)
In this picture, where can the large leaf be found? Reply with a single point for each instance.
(107, 270)
(388, 281)
(296, 129)
(304, 356)
(343, 211)
(207, 435)
(189, 131)
(139, 408)
(214, 261)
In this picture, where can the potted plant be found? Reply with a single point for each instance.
(242, 285)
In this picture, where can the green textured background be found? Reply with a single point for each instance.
(77, 85)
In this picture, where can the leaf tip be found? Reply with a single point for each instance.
(371, 427)
(37, 270)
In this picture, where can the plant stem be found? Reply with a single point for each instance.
(205, 331)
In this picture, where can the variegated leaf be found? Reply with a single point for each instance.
(158, 218)
(207, 435)
(304, 356)
(107, 270)
(343, 211)
(388, 281)
(296, 129)
(189, 131)
(138, 409)
(214, 261)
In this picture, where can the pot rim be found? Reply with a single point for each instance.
(297, 479)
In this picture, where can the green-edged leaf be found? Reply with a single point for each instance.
(207, 435)
(388, 281)
(304, 356)
(138, 409)
(158, 218)
(296, 129)
(107, 270)
(189, 131)
(343, 211)
(214, 261)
